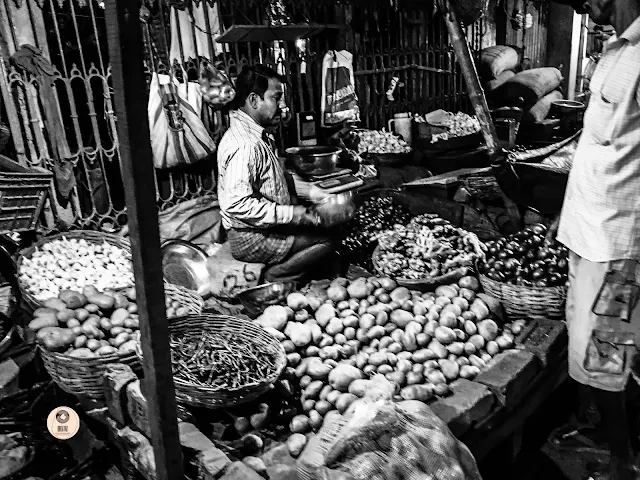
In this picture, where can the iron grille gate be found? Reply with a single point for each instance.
(386, 40)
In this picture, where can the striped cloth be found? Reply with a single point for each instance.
(600, 219)
(253, 192)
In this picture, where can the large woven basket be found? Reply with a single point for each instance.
(84, 376)
(426, 283)
(211, 397)
(527, 302)
(89, 236)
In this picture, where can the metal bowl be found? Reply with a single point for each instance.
(336, 209)
(185, 264)
(256, 299)
(313, 161)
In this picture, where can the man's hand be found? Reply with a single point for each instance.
(552, 231)
(303, 217)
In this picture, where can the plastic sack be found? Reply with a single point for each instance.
(178, 135)
(215, 86)
(339, 101)
(378, 439)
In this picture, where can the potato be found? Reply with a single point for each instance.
(359, 387)
(488, 329)
(316, 369)
(504, 342)
(55, 304)
(344, 401)
(415, 378)
(478, 341)
(131, 323)
(456, 348)
(449, 369)
(106, 350)
(445, 335)
(44, 311)
(65, 315)
(296, 444)
(93, 344)
(492, 348)
(477, 362)
(72, 299)
(91, 308)
(315, 420)
(55, 339)
(469, 372)
(41, 322)
(422, 393)
(436, 377)
(446, 291)
(442, 389)
(128, 346)
(104, 302)
(334, 327)
(120, 339)
(401, 318)
(82, 353)
(398, 378)
(409, 342)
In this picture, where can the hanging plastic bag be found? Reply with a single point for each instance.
(178, 135)
(339, 99)
(215, 87)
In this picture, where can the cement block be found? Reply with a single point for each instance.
(137, 408)
(278, 455)
(239, 471)
(469, 403)
(116, 378)
(9, 375)
(547, 340)
(509, 375)
(211, 463)
(282, 472)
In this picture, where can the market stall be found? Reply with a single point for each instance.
(467, 326)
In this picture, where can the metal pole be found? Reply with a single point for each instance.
(126, 54)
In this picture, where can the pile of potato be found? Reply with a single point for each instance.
(73, 264)
(339, 337)
(90, 323)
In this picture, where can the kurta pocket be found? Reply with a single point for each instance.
(609, 352)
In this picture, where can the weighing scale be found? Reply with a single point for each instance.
(341, 179)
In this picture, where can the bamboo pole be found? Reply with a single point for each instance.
(470, 74)
(126, 54)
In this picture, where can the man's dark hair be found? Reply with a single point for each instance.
(253, 79)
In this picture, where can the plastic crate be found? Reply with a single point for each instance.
(23, 192)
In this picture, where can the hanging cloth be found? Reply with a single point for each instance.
(193, 30)
(30, 60)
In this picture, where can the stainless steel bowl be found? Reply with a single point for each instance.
(336, 209)
(313, 161)
(185, 264)
(256, 299)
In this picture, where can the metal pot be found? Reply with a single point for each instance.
(336, 209)
(313, 161)
(570, 113)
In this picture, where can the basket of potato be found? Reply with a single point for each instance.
(79, 333)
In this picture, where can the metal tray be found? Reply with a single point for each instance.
(185, 264)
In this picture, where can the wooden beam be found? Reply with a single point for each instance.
(126, 54)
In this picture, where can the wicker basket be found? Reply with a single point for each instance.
(211, 397)
(84, 376)
(23, 192)
(527, 302)
(426, 283)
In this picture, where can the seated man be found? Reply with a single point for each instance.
(257, 211)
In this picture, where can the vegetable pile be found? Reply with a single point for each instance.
(428, 246)
(337, 338)
(72, 264)
(457, 125)
(374, 218)
(380, 142)
(92, 323)
(527, 259)
(219, 360)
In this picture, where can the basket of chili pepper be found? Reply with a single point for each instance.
(221, 361)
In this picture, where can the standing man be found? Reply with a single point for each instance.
(262, 223)
(600, 225)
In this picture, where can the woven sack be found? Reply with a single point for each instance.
(530, 86)
(497, 59)
(493, 85)
(541, 109)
